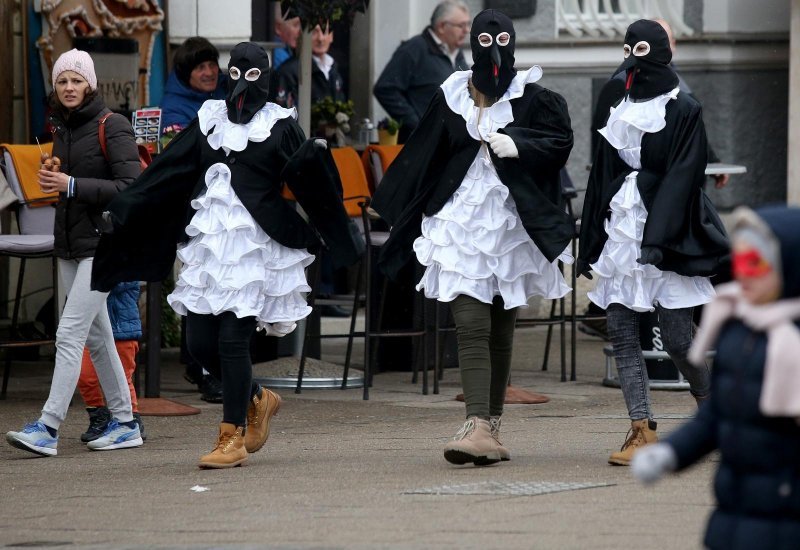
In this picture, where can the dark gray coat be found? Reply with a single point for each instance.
(76, 142)
(410, 79)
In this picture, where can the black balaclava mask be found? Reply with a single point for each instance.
(248, 82)
(492, 42)
(647, 57)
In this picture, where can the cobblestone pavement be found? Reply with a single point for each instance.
(339, 472)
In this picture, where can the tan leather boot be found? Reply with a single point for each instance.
(473, 443)
(229, 451)
(494, 426)
(642, 432)
(259, 412)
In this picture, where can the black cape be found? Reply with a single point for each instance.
(150, 217)
(682, 225)
(433, 163)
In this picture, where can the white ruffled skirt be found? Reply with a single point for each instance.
(622, 280)
(231, 264)
(476, 245)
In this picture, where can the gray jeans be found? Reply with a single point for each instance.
(84, 321)
(677, 331)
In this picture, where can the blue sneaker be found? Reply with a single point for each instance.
(34, 438)
(116, 436)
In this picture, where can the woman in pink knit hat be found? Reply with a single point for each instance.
(86, 182)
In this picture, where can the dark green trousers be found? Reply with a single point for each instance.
(485, 336)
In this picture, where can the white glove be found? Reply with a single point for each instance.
(650, 463)
(502, 145)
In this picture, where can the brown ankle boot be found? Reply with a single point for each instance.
(229, 451)
(642, 432)
(473, 443)
(494, 426)
(259, 412)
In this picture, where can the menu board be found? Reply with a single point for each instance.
(147, 128)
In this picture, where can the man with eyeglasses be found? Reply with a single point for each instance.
(422, 63)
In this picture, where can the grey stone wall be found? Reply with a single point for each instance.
(577, 91)
(745, 113)
(539, 27)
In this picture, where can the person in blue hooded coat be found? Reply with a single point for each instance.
(195, 78)
(754, 410)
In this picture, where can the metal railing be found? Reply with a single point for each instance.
(609, 19)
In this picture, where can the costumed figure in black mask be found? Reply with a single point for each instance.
(475, 195)
(648, 232)
(215, 196)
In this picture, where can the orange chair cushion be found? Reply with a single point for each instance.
(354, 179)
(387, 154)
(27, 160)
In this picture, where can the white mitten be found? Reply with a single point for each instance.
(651, 462)
(502, 145)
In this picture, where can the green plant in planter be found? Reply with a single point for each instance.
(323, 12)
(336, 114)
(389, 124)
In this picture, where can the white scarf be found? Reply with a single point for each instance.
(780, 388)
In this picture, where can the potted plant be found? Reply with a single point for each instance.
(331, 119)
(323, 12)
(387, 131)
(168, 134)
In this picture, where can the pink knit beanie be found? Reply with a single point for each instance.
(77, 61)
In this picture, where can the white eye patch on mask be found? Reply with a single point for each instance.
(251, 75)
(485, 39)
(639, 50)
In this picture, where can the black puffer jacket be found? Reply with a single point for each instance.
(758, 482)
(76, 142)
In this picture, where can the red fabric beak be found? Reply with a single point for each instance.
(629, 81)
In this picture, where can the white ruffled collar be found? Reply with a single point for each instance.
(458, 98)
(629, 120)
(234, 137)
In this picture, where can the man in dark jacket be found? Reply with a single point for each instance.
(421, 64)
(195, 78)
(325, 78)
